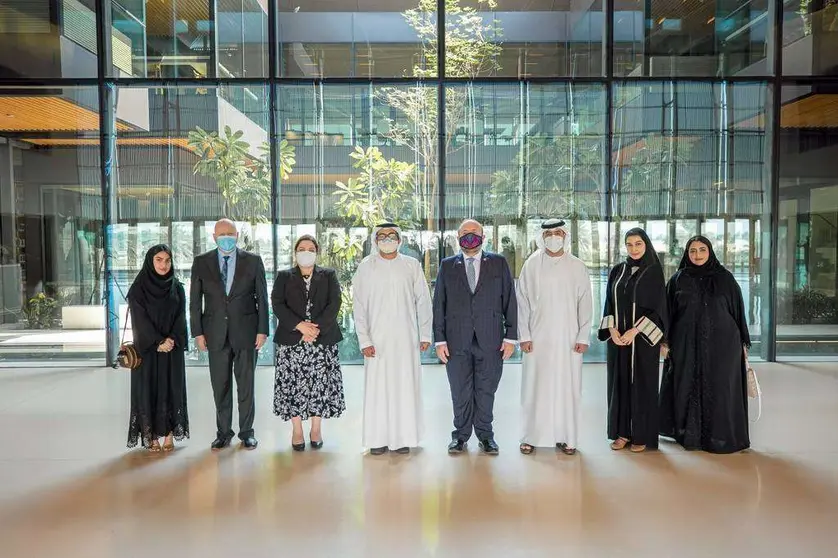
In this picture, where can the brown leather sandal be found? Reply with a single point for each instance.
(526, 449)
(619, 444)
(638, 448)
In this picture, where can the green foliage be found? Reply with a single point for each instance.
(383, 190)
(41, 312)
(472, 49)
(650, 168)
(471, 46)
(547, 176)
(243, 179)
(813, 307)
(343, 253)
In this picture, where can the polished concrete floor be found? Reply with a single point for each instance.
(70, 488)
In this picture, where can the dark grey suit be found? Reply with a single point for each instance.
(474, 326)
(230, 324)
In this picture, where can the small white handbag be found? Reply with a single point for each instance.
(754, 391)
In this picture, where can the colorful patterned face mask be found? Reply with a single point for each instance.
(470, 241)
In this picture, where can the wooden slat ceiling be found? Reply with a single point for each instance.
(47, 114)
(59, 142)
(814, 111)
(162, 14)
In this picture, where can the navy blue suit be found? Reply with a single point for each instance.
(474, 326)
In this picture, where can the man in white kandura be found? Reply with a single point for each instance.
(555, 311)
(393, 320)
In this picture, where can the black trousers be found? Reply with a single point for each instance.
(474, 375)
(223, 364)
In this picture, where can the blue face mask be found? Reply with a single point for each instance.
(226, 243)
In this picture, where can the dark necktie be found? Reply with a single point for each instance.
(224, 271)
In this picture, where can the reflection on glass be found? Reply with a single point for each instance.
(363, 154)
(523, 39)
(810, 34)
(51, 249)
(807, 267)
(48, 39)
(519, 154)
(657, 38)
(343, 38)
(185, 158)
(189, 38)
(693, 157)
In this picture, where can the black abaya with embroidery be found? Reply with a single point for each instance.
(635, 297)
(704, 397)
(158, 387)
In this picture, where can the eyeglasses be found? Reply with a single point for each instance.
(392, 236)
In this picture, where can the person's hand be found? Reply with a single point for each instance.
(615, 337)
(526, 346)
(507, 349)
(308, 329)
(580, 348)
(260, 340)
(628, 337)
(166, 346)
(369, 352)
(309, 338)
(664, 350)
(423, 346)
(202, 342)
(442, 353)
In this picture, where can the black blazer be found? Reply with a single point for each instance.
(490, 314)
(238, 317)
(288, 300)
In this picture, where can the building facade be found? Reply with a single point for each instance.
(128, 123)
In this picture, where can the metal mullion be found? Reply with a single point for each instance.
(107, 157)
(769, 338)
(609, 39)
(440, 125)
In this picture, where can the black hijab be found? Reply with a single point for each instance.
(649, 257)
(711, 266)
(156, 293)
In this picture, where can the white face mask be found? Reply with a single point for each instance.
(554, 243)
(306, 258)
(388, 246)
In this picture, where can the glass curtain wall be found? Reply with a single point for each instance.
(149, 120)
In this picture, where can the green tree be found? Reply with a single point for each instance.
(382, 190)
(472, 50)
(243, 178)
(546, 177)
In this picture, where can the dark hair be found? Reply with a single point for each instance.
(310, 239)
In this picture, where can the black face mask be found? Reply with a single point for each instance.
(470, 241)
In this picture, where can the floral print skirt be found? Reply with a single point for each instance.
(308, 382)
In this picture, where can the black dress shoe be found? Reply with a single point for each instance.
(403, 451)
(299, 447)
(378, 451)
(316, 445)
(250, 443)
(456, 446)
(489, 447)
(220, 443)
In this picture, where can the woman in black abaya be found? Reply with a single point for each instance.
(157, 303)
(704, 393)
(633, 324)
